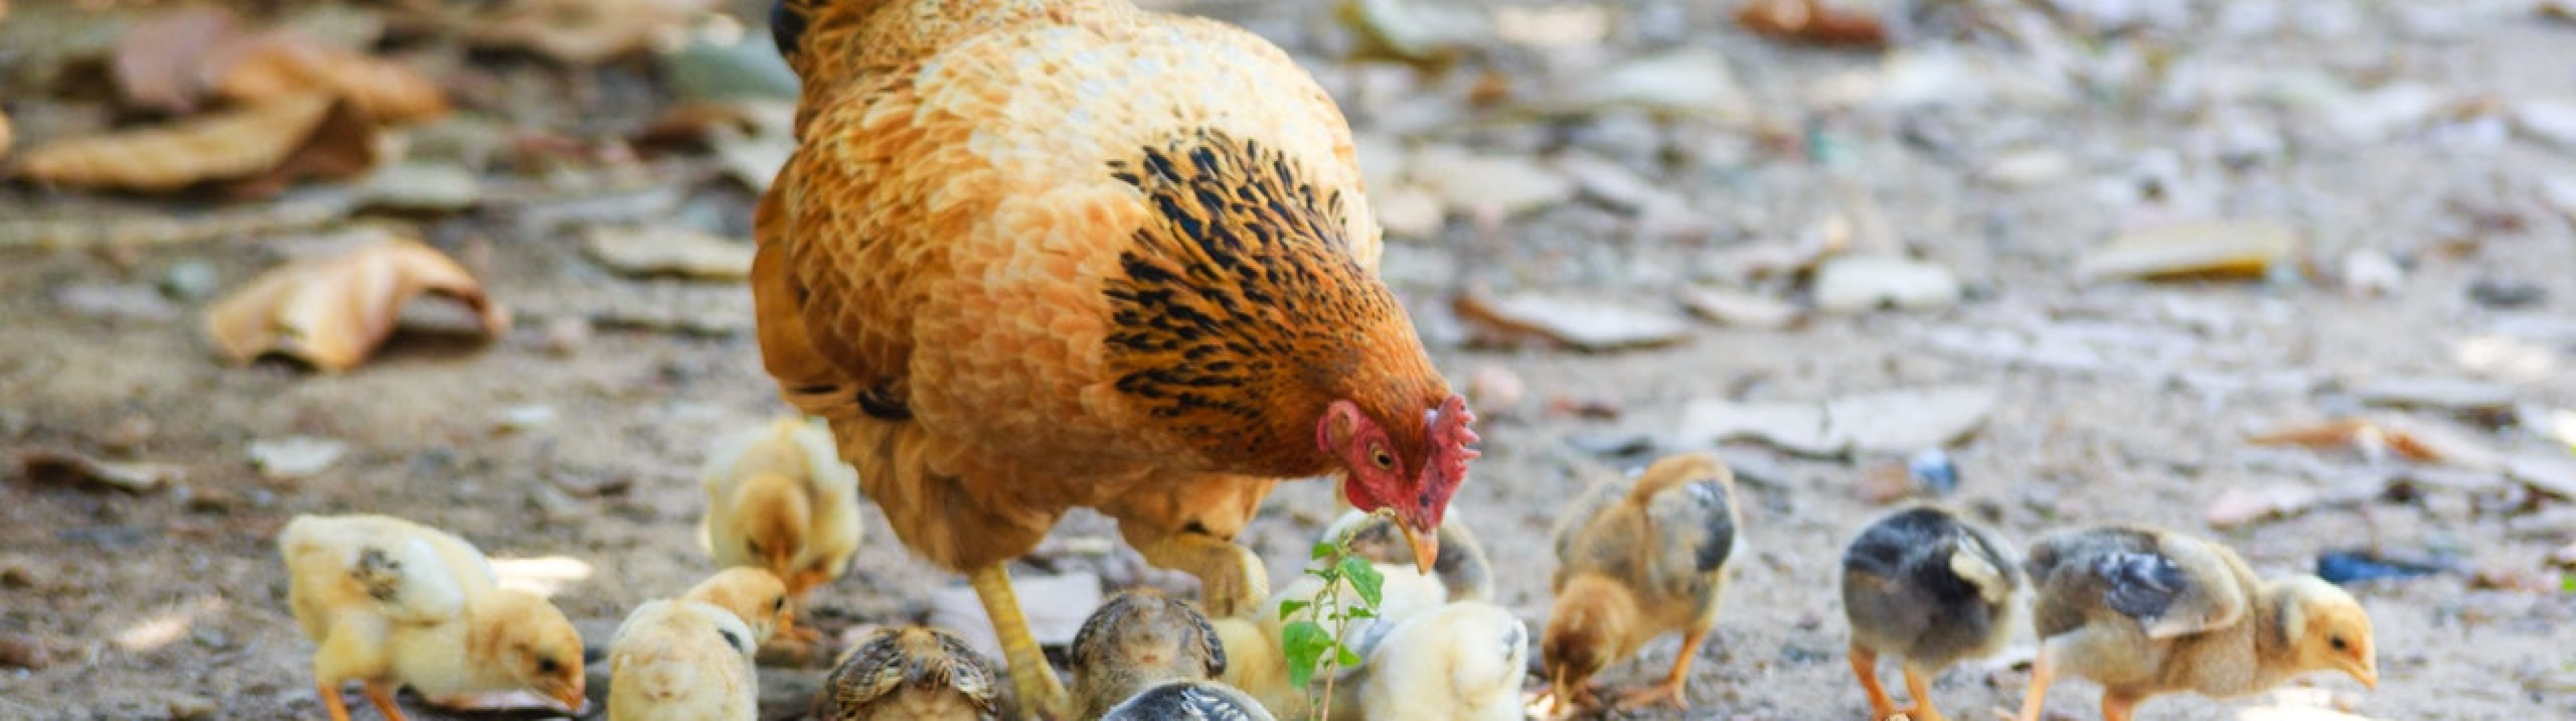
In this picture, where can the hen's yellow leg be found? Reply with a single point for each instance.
(1921, 689)
(1041, 694)
(382, 695)
(1669, 691)
(1232, 579)
(2042, 671)
(1864, 663)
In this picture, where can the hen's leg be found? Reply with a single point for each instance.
(1232, 579)
(1864, 663)
(1041, 694)
(2042, 670)
(2118, 705)
(1669, 691)
(1921, 689)
(382, 695)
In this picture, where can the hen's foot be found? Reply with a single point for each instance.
(1232, 579)
(1040, 694)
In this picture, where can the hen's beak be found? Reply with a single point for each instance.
(1426, 546)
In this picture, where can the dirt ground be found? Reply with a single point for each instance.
(2115, 401)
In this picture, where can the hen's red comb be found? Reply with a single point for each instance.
(1450, 436)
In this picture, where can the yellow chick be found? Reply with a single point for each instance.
(1459, 662)
(1136, 640)
(682, 661)
(1638, 558)
(1255, 659)
(1461, 565)
(393, 603)
(752, 595)
(2146, 612)
(779, 498)
(910, 674)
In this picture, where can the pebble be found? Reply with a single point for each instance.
(295, 457)
(1858, 284)
(18, 650)
(2505, 293)
(103, 300)
(2369, 272)
(2548, 120)
(191, 280)
(1495, 387)
(2384, 113)
(2027, 169)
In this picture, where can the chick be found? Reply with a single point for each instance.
(754, 596)
(779, 498)
(1929, 588)
(1460, 662)
(682, 661)
(1461, 566)
(2146, 612)
(1139, 639)
(393, 603)
(1257, 662)
(1638, 558)
(1189, 701)
(910, 674)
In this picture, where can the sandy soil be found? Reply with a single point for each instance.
(153, 605)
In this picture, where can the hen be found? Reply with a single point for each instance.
(1038, 254)
(2147, 612)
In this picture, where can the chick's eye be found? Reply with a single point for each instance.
(778, 604)
(1379, 456)
(2337, 642)
(546, 665)
(752, 546)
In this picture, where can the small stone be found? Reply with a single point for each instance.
(668, 251)
(2506, 293)
(1884, 485)
(2240, 506)
(1494, 387)
(1500, 185)
(1694, 83)
(18, 650)
(2027, 169)
(2548, 120)
(430, 187)
(126, 435)
(1933, 470)
(2368, 272)
(553, 503)
(592, 485)
(191, 280)
(1410, 212)
(2384, 113)
(295, 457)
(517, 419)
(99, 300)
(565, 335)
(1858, 284)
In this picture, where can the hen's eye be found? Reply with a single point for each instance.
(1383, 459)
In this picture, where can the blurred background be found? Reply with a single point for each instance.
(2294, 273)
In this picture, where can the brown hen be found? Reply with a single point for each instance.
(1039, 254)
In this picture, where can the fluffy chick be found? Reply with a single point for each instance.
(779, 498)
(753, 595)
(1189, 701)
(1929, 588)
(1138, 639)
(1462, 566)
(1257, 662)
(682, 661)
(393, 603)
(1460, 662)
(910, 674)
(1638, 558)
(2146, 612)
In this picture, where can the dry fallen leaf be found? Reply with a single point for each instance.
(1898, 421)
(68, 467)
(257, 150)
(583, 32)
(2240, 506)
(278, 65)
(2377, 436)
(4, 134)
(1580, 323)
(161, 63)
(2222, 248)
(665, 251)
(332, 312)
(1811, 22)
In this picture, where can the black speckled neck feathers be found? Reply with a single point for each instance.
(1240, 312)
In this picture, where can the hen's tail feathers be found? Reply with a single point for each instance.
(1672, 471)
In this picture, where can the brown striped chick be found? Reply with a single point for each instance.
(1136, 640)
(910, 674)
(393, 603)
(751, 594)
(1461, 566)
(779, 498)
(682, 661)
(1460, 662)
(1929, 588)
(2147, 612)
(1638, 558)
(1189, 701)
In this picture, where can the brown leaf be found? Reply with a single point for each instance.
(161, 63)
(262, 148)
(2416, 441)
(278, 65)
(4, 134)
(1810, 22)
(69, 468)
(332, 312)
(583, 32)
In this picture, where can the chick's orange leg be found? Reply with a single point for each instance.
(331, 703)
(382, 695)
(2119, 705)
(1231, 578)
(1041, 694)
(1669, 691)
(2042, 671)
(1920, 688)
(1864, 663)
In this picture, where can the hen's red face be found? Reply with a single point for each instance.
(1417, 485)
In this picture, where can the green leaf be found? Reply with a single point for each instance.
(1345, 657)
(1359, 613)
(1325, 550)
(1290, 608)
(1363, 578)
(1305, 643)
(2567, 582)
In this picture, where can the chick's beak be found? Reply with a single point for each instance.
(1426, 545)
(2367, 673)
(571, 696)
